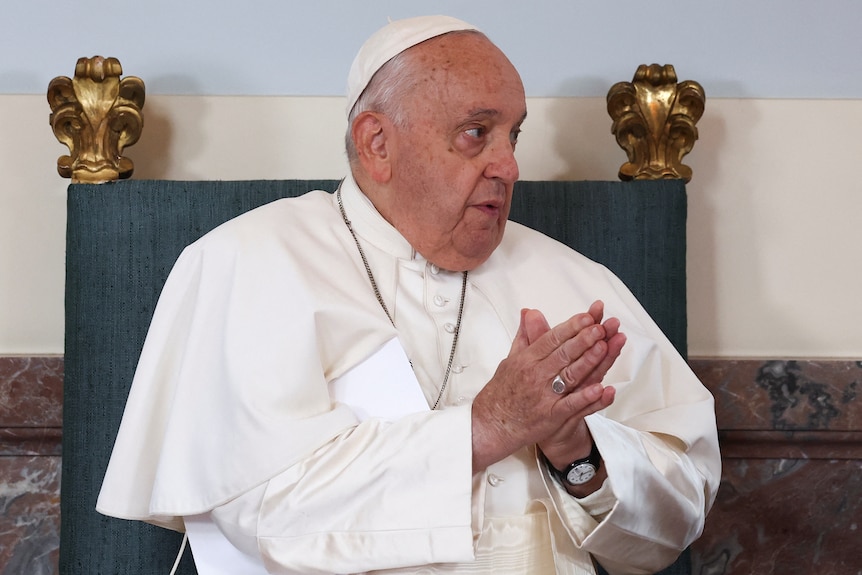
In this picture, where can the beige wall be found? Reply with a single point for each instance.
(775, 260)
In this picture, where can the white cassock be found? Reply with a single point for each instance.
(254, 411)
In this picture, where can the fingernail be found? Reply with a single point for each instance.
(595, 391)
(599, 349)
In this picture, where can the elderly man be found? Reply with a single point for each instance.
(369, 380)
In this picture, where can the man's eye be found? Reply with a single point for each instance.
(514, 136)
(475, 132)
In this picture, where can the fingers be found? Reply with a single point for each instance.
(587, 348)
(562, 339)
(585, 401)
(597, 310)
(519, 407)
(564, 346)
(614, 348)
(581, 355)
(570, 328)
(572, 436)
(612, 327)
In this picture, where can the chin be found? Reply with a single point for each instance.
(473, 259)
(465, 251)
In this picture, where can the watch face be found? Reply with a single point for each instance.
(580, 474)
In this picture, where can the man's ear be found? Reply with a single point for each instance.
(370, 137)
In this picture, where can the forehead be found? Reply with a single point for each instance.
(467, 70)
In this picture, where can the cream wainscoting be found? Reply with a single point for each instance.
(774, 251)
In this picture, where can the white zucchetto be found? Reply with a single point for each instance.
(390, 41)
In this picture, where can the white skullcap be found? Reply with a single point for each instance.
(390, 41)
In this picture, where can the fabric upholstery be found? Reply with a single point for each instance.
(123, 238)
(637, 229)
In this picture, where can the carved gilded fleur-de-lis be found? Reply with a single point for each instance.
(96, 115)
(654, 122)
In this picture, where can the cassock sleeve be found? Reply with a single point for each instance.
(381, 495)
(660, 448)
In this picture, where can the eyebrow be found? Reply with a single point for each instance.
(490, 113)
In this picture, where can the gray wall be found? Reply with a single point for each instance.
(734, 48)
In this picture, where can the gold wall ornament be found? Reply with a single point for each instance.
(96, 115)
(654, 122)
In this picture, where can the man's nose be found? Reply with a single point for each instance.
(502, 164)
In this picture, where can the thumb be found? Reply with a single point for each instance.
(532, 326)
(535, 324)
(521, 340)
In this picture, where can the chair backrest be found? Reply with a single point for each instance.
(123, 239)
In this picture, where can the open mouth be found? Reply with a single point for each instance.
(491, 209)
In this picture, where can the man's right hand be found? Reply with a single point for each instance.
(518, 406)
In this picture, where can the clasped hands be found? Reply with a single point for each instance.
(518, 406)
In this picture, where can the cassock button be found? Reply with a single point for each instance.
(434, 269)
(457, 368)
(439, 300)
(494, 480)
(449, 327)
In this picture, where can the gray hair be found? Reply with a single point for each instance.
(386, 94)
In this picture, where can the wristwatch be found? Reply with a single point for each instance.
(579, 471)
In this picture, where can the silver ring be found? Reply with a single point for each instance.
(558, 385)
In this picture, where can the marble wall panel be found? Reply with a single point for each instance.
(31, 416)
(784, 395)
(29, 515)
(784, 516)
(790, 499)
(31, 389)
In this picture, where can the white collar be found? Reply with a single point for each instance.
(370, 225)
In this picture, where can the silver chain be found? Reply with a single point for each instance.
(386, 310)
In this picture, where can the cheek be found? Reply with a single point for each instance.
(436, 192)
(442, 198)
(443, 219)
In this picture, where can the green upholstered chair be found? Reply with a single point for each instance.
(123, 238)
